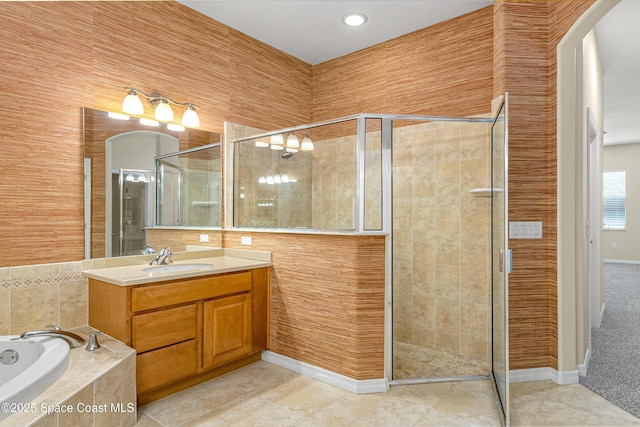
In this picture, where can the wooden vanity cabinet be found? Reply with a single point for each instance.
(185, 331)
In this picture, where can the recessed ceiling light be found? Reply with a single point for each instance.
(354, 19)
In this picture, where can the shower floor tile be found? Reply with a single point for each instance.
(412, 362)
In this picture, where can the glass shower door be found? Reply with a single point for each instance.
(500, 262)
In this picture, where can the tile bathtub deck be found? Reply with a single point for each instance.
(263, 394)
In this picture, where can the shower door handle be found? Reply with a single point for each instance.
(502, 253)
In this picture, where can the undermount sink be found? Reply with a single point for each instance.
(175, 267)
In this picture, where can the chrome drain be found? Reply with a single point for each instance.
(9, 357)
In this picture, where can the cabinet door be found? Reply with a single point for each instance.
(226, 329)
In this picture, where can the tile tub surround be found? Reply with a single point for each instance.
(92, 383)
(36, 295)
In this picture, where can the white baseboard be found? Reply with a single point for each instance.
(541, 374)
(621, 261)
(582, 368)
(380, 385)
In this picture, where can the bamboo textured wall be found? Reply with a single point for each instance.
(443, 70)
(327, 299)
(61, 56)
(526, 36)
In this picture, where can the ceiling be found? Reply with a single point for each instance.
(312, 30)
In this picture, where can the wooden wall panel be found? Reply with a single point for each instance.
(445, 69)
(61, 56)
(327, 299)
(525, 41)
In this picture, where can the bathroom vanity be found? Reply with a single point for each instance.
(186, 325)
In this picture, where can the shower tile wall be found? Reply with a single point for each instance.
(441, 237)
(334, 192)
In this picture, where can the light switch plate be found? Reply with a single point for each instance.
(525, 230)
(204, 238)
(246, 240)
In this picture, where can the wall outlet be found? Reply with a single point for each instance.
(614, 245)
(204, 238)
(246, 240)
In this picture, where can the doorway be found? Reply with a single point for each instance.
(450, 257)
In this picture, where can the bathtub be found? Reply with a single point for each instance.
(39, 363)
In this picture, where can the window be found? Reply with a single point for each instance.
(614, 197)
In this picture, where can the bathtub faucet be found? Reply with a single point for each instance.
(72, 339)
(163, 257)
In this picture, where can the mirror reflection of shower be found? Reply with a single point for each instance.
(130, 200)
(133, 200)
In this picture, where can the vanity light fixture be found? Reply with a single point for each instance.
(354, 19)
(307, 144)
(276, 139)
(292, 141)
(163, 111)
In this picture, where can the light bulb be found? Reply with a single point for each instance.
(132, 104)
(307, 144)
(277, 179)
(355, 19)
(129, 177)
(262, 180)
(292, 141)
(164, 113)
(190, 118)
(270, 180)
(284, 177)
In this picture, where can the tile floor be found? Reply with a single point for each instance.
(263, 394)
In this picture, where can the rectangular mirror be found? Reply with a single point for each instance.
(120, 180)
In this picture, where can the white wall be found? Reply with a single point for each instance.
(625, 157)
(589, 292)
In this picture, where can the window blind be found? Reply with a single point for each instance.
(614, 197)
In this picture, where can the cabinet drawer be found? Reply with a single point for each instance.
(178, 292)
(166, 365)
(164, 327)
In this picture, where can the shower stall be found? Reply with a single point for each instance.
(435, 187)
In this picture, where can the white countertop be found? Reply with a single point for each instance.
(228, 261)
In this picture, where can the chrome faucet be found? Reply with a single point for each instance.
(147, 250)
(163, 257)
(72, 339)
